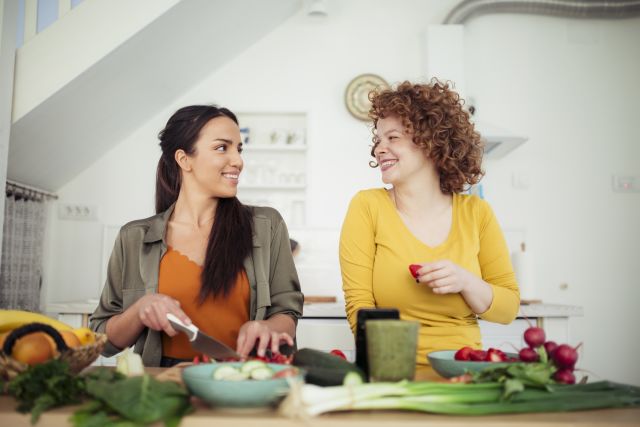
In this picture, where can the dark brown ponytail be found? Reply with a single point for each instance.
(230, 241)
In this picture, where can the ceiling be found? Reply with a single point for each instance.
(76, 125)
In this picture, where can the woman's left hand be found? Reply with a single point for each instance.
(260, 332)
(444, 277)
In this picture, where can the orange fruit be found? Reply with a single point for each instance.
(3, 337)
(70, 339)
(33, 349)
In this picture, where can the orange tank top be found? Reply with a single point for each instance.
(219, 317)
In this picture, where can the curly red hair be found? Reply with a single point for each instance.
(434, 114)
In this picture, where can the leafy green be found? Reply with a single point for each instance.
(516, 376)
(45, 386)
(134, 401)
(111, 398)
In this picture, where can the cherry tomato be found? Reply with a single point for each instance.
(338, 353)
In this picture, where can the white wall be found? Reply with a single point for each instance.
(569, 85)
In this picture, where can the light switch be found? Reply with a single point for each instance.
(520, 181)
(626, 183)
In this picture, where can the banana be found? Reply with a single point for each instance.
(11, 319)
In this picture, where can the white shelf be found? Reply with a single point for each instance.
(265, 147)
(273, 187)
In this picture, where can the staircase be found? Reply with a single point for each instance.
(107, 66)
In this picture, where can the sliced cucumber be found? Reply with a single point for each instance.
(251, 365)
(225, 372)
(263, 373)
(238, 376)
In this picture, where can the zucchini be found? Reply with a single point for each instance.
(322, 368)
(320, 359)
(326, 377)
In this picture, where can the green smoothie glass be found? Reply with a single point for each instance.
(391, 349)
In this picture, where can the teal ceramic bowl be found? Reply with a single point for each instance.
(443, 363)
(236, 394)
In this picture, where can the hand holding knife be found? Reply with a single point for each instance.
(202, 342)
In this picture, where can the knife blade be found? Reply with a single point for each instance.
(203, 342)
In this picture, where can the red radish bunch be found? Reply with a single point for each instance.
(563, 356)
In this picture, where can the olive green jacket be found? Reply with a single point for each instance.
(135, 262)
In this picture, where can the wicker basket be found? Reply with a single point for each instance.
(77, 357)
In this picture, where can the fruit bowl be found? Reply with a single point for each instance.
(78, 358)
(443, 363)
(247, 393)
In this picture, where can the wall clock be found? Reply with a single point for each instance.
(356, 96)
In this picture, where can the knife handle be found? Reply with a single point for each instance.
(191, 330)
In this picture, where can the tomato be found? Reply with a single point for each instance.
(338, 353)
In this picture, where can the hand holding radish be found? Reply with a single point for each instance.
(443, 277)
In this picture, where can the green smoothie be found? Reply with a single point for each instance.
(391, 349)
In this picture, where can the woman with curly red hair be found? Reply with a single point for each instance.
(429, 153)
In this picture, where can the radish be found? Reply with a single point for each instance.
(528, 355)
(477, 355)
(463, 354)
(564, 376)
(495, 355)
(413, 268)
(534, 337)
(550, 347)
(565, 356)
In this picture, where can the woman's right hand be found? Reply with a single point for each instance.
(153, 309)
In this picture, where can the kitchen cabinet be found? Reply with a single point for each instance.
(325, 327)
(275, 163)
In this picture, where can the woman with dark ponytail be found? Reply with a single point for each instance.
(204, 257)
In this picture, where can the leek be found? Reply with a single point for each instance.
(306, 400)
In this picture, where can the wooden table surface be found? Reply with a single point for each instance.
(206, 416)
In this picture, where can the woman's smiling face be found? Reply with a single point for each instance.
(216, 163)
(396, 153)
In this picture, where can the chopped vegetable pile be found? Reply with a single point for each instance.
(251, 370)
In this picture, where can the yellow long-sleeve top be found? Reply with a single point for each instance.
(376, 249)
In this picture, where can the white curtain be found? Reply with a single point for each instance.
(22, 247)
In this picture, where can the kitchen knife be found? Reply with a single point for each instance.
(201, 341)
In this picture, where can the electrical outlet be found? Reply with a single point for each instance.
(77, 212)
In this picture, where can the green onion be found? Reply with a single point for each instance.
(305, 400)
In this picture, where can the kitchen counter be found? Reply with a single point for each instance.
(206, 416)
